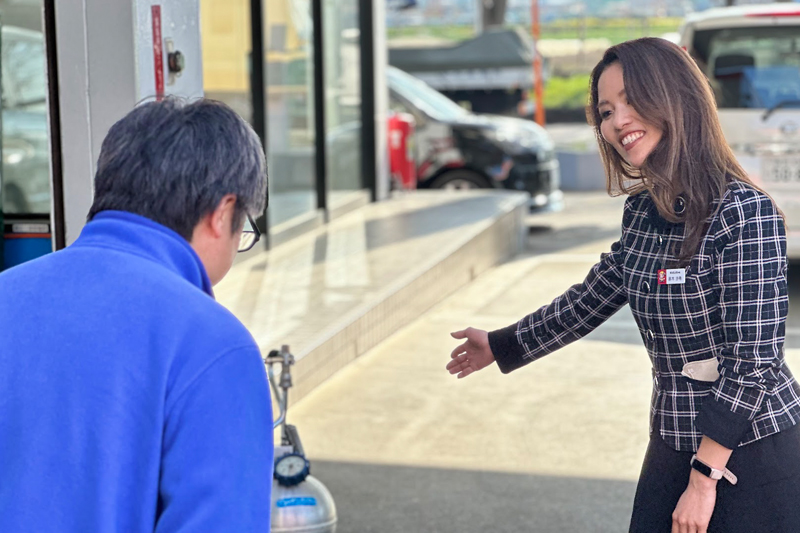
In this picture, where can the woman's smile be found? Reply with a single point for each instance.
(631, 139)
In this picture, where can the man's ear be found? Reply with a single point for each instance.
(221, 219)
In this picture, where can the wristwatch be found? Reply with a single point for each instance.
(713, 473)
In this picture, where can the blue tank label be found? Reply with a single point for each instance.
(294, 502)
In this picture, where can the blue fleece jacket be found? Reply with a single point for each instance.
(130, 400)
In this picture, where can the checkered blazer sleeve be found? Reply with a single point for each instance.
(571, 316)
(750, 267)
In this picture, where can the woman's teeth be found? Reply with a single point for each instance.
(632, 137)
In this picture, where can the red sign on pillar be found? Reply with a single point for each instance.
(158, 51)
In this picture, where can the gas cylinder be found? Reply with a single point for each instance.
(307, 507)
(300, 502)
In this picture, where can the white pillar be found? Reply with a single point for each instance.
(105, 67)
(381, 59)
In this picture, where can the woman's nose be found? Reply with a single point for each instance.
(622, 117)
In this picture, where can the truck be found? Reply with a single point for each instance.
(751, 56)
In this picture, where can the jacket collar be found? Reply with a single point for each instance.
(658, 222)
(141, 236)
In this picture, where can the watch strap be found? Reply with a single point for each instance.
(711, 472)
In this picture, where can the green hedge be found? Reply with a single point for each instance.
(572, 92)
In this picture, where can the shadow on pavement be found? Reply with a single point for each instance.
(400, 499)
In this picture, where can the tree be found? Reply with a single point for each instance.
(493, 13)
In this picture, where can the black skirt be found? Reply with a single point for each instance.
(766, 498)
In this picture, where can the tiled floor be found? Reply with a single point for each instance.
(304, 292)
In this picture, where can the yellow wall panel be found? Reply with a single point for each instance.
(225, 34)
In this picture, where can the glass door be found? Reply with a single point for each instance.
(26, 190)
(288, 40)
(342, 101)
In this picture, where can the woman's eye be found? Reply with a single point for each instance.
(605, 114)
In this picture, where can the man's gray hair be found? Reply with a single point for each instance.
(173, 161)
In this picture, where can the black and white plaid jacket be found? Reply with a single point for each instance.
(732, 306)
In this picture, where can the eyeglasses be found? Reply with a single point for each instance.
(250, 235)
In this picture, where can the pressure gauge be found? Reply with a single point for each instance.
(291, 469)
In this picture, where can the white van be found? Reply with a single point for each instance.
(751, 55)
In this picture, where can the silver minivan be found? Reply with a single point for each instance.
(751, 55)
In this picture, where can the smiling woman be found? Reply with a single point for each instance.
(663, 94)
(702, 263)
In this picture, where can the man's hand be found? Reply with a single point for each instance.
(472, 355)
(694, 509)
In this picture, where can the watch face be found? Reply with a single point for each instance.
(290, 465)
(705, 469)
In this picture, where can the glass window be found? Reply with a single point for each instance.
(289, 102)
(25, 149)
(25, 196)
(225, 34)
(751, 67)
(288, 39)
(342, 99)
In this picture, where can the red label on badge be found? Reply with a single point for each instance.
(662, 277)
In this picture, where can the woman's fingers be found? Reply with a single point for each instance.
(458, 364)
(679, 526)
(460, 349)
(466, 372)
(462, 334)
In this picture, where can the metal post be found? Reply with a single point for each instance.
(257, 92)
(57, 225)
(537, 64)
(368, 145)
(320, 134)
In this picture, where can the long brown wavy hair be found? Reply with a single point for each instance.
(667, 88)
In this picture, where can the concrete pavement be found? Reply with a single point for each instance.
(404, 446)
(556, 446)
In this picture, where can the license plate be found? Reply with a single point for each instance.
(780, 169)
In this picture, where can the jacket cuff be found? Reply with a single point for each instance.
(721, 424)
(507, 350)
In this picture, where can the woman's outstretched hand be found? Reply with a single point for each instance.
(472, 355)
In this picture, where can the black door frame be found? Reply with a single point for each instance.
(258, 87)
(369, 169)
(57, 220)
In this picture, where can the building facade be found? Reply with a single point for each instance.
(307, 74)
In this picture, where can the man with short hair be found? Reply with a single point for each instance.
(130, 400)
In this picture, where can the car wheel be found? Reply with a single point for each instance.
(460, 180)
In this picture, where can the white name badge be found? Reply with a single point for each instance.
(672, 276)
